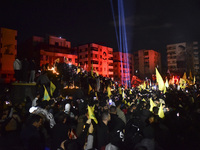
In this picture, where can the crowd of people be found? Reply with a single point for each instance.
(24, 70)
(100, 115)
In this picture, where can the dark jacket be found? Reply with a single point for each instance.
(59, 133)
(31, 138)
(115, 123)
(102, 135)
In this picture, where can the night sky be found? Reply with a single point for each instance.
(150, 24)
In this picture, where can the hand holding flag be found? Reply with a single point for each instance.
(91, 113)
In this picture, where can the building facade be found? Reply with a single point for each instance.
(48, 49)
(8, 52)
(183, 57)
(123, 68)
(145, 62)
(101, 57)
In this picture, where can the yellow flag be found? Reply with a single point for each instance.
(78, 69)
(140, 87)
(52, 88)
(125, 102)
(96, 95)
(123, 95)
(130, 92)
(144, 85)
(152, 104)
(109, 91)
(164, 91)
(120, 90)
(143, 100)
(90, 89)
(182, 83)
(161, 112)
(194, 80)
(91, 114)
(160, 81)
(46, 94)
(184, 76)
(166, 83)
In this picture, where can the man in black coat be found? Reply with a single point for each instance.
(103, 131)
(115, 122)
(116, 127)
(60, 131)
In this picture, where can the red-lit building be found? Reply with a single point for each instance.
(8, 52)
(100, 56)
(48, 49)
(123, 67)
(145, 62)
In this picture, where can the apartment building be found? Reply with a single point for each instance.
(8, 52)
(145, 62)
(101, 57)
(123, 68)
(48, 49)
(183, 57)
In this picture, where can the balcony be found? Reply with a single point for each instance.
(110, 73)
(110, 67)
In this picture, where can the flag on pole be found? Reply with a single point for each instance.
(78, 69)
(130, 92)
(96, 96)
(152, 104)
(120, 90)
(90, 89)
(52, 88)
(143, 100)
(143, 86)
(123, 95)
(160, 81)
(161, 112)
(166, 83)
(109, 91)
(46, 94)
(184, 76)
(91, 113)
(182, 83)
